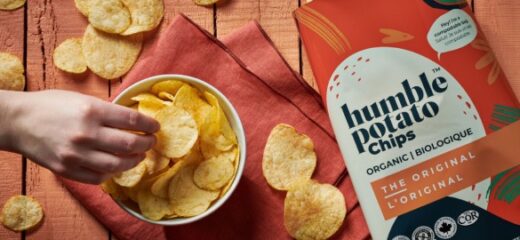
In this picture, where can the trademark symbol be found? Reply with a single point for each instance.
(437, 69)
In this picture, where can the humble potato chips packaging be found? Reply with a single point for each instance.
(423, 114)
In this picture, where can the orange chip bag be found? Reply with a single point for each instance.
(424, 117)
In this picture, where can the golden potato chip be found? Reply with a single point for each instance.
(160, 187)
(110, 16)
(145, 183)
(218, 129)
(169, 86)
(131, 177)
(155, 162)
(149, 104)
(188, 99)
(205, 2)
(11, 72)
(145, 14)
(11, 4)
(151, 206)
(186, 199)
(110, 56)
(68, 56)
(288, 156)
(21, 213)
(83, 6)
(313, 210)
(171, 216)
(116, 191)
(213, 174)
(229, 156)
(235, 170)
(166, 96)
(178, 132)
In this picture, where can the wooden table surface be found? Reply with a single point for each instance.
(33, 32)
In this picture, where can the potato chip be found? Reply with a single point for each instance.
(313, 210)
(131, 177)
(213, 174)
(171, 216)
(145, 183)
(235, 170)
(218, 129)
(21, 213)
(288, 156)
(170, 86)
(83, 6)
(110, 16)
(151, 206)
(205, 2)
(145, 14)
(11, 4)
(68, 56)
(149, 104)
(188, 99)
(110, 56)
(160, 187)
(186, 199)
(11, 73)
(116, 191)
(178, 132)
(155, 162)
(166, 96)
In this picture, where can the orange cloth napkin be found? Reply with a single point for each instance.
(248, 69)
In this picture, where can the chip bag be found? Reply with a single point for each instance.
(423, 115)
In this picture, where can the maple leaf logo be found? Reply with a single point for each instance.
(445, 227)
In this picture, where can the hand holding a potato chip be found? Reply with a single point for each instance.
(74, 135)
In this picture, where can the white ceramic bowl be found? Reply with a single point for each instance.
(144, 86)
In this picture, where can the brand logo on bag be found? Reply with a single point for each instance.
(468, 217)
(423, 233)
(375, 125)
(445, 227)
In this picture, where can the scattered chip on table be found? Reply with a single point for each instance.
(110, 56)
(205, 2)
(146, 15)
(288, 157)
(21, 213)
(11, 4)
(68, 56)
(313, 210)
(83, 6)
(11, 72)
(110, 16)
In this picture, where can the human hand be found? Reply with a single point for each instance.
(77, 136)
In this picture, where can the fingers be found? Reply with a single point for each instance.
(121, 142)
(125, 118)
(108, 163)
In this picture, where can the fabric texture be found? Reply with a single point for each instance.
(265, 91)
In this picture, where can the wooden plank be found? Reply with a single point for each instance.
(49, 23)
(500, 21)
(11, 41)
(275, 16)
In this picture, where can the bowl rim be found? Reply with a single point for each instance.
(239, 131)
